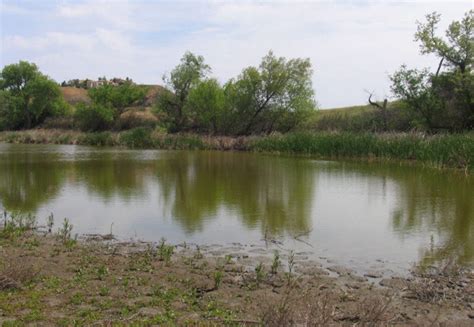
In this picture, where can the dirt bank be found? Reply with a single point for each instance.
(51, 279)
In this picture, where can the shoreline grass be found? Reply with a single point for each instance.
(436, 151)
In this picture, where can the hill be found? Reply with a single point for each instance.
(74, 95)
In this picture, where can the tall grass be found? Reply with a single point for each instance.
(453, 150)
(444, 150)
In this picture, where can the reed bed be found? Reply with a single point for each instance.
(440, 151)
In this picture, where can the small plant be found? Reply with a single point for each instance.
(198, 254)
(50, 223)
(217, 278)
(228, 259)
(77, 298)
(104, 291)
(15, 225)
(259, 273)
(102, 272)
(64, 233)
(291, 265)
(276, 263)
(165, 252)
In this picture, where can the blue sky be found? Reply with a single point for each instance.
(353, 45)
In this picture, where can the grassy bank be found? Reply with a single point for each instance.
(441, 151)
(49, 278)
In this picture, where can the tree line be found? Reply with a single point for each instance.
(275, 96)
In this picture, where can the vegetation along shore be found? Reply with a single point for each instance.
(438, 151)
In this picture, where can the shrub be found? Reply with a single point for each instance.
(62, 122)
(118, 97)
(136, 118)
(139, 137)
(93, 117)
(97, 139)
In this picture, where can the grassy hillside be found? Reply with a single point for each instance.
(364, 118)
(74, 95)
(352, 110)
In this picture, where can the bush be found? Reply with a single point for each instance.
(65, 122)
(97, 139)
(137, 138)
(93, 117)
(119, 97)
(136, 118)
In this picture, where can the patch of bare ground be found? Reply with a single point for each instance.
(52, 279)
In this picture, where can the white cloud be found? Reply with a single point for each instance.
(50, 41)
(352, 47)
(97, 12)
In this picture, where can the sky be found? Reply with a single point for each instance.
(353, 45)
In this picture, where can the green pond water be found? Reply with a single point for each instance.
(357, 214)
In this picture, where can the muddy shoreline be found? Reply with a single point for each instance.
(53, 279)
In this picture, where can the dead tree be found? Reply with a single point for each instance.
(382, 108)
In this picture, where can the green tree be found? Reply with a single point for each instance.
(119, 97)
(276, 96)
(443, 99)
(181, 80)
(414, 87)
(458, 50)
(206, 107)
(27, 97)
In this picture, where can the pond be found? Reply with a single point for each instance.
(349, 213)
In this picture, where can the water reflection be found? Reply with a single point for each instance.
(277, 195)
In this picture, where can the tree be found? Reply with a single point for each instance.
(183, 77)
(414, 87)
(382, 109)
(28, 97)
(276, 96)
(118, 97)
(206, 107)
(458, 50)
(443, 99)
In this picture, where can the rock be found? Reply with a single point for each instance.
(470, 315)
(373, 274)
(354, 286)
(340, 270)
(359, 279)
